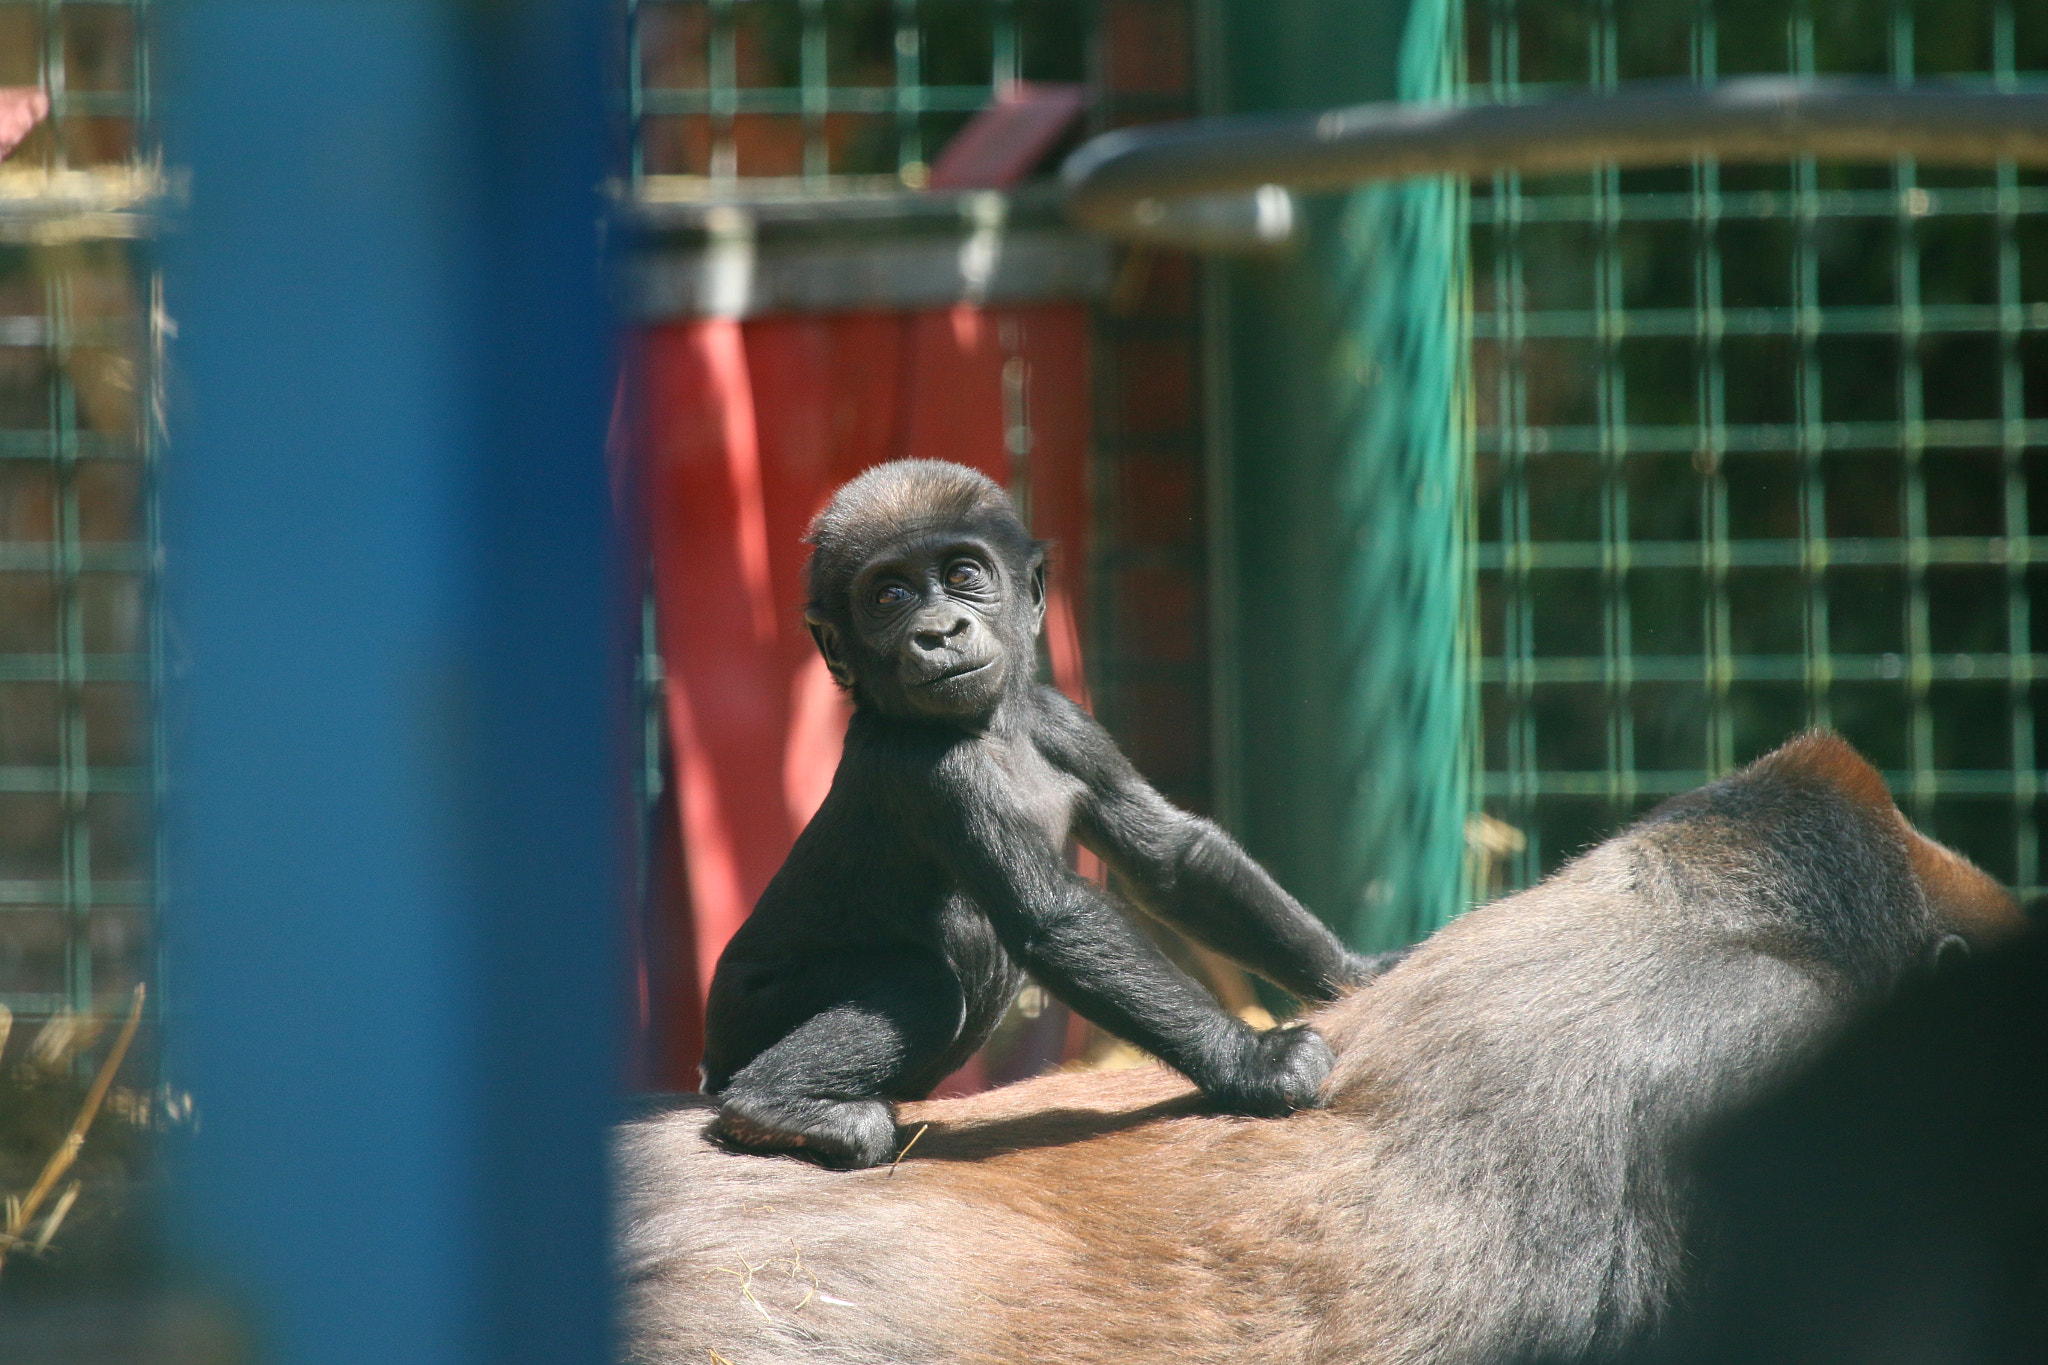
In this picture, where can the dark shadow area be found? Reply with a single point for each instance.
(1048, 1128)
(1891, 1205)
(947, 1140)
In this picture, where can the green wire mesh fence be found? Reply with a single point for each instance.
(818, 92)
(1758, 447)
(77, 768)
(87, 57)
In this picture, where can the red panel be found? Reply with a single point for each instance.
(1009, 137)
(1053, 341)
(953, 390)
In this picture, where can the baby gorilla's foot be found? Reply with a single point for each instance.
(843, 1134)
(1282, 1070)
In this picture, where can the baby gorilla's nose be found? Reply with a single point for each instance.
(934, 636)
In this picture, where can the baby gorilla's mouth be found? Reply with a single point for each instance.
(962, 671)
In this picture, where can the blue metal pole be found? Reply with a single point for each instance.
(397, 697)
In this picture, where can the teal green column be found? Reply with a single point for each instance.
(1343, 471)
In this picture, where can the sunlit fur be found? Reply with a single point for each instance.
(1493, 1179)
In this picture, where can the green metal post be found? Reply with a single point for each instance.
(1344, 478)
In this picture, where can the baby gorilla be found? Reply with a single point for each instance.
(895, 935)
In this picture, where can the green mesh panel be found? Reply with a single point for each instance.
(1401, 487)
(1343, 489)
(1758, 447)
(818, 92)
(77, 773)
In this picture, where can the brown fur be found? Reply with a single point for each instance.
(1975, 903)
(1827, 757)
(1978, 907)
(1492, 1179)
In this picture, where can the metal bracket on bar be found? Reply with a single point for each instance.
(1163, 183)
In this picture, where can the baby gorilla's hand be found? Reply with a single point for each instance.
(1282, 1070)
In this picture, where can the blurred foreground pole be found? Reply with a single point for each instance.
(1344, 482)
(390, 936)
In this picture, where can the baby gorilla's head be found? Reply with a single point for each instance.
(926, 591)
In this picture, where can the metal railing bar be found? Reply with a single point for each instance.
(1119, 182)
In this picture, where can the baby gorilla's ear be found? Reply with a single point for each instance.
(826, 636)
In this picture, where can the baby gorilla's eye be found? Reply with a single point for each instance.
(964, 573)
(891, 595)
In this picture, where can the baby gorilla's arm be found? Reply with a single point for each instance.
(1184, 870)
(1076, 941)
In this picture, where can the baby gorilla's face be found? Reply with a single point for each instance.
(944, 625)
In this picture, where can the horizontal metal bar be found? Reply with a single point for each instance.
(30, 330)
(1119, 182)
(85, 668)
(52, 445)
(1844, 552)
(1536, 204)
(1657, 782)
(1689, 438)
(740, 279)
(48, 557)
(18, 779)
(1738, 668)
(18, 893)
(1587, 323)
(775, 207)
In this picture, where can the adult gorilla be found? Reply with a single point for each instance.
(890, 942)
(1495, 1178)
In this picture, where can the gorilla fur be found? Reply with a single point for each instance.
(1495, 1177)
